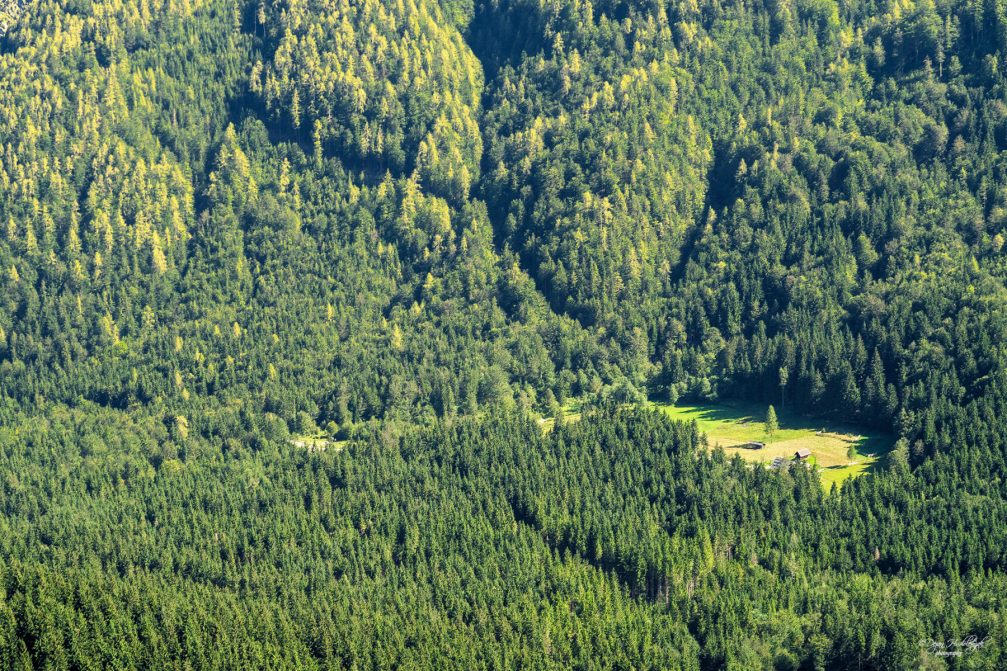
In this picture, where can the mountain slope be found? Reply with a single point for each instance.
(286, 287)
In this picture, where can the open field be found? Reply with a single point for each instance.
(731, 424)
(571, 413)
(317, 443)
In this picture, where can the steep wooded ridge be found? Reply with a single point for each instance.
(409, 227)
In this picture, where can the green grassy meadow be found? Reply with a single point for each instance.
(317, 443)
(731, 424)
(571, 413)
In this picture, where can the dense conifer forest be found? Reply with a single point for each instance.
(286, 287)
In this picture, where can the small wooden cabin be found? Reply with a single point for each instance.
(802, 454)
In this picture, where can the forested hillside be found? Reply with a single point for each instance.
(285, 286)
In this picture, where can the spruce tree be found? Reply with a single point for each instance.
(772, 424)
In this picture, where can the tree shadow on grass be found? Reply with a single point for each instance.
(743, 413)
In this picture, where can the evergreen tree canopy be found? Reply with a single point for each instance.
(288, 290)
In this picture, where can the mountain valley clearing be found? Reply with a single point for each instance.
(735, 425)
